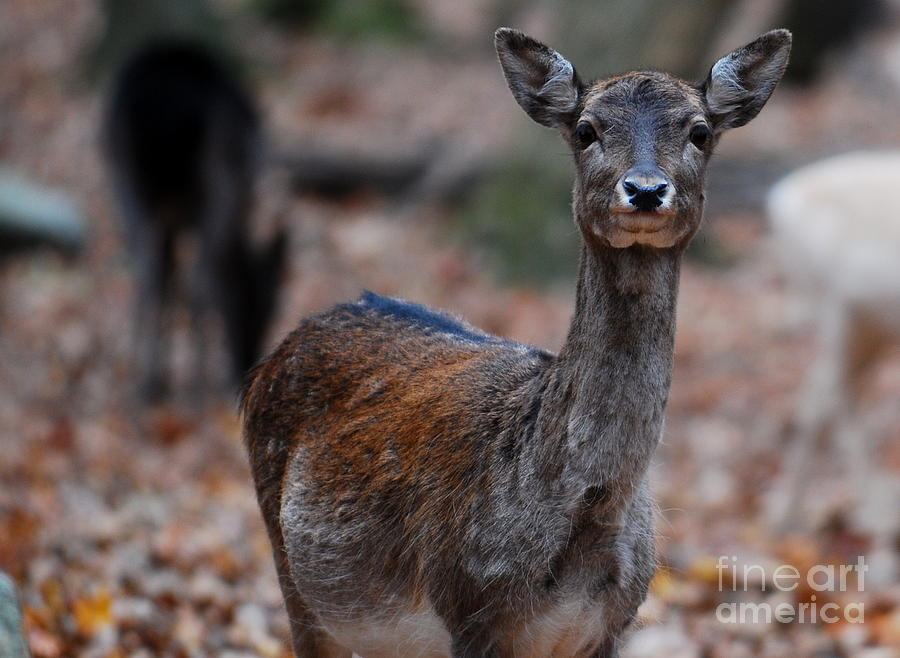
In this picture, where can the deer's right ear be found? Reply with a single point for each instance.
(542, 81)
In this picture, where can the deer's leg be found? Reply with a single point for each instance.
(609, 648)
(150, 245)
(618, 624)
(154, 262)
(220, 265)
(469, 613)
(467, 646)
(210, 289)
(820, 401)
(876, 494)
(866, 344)
(202, 291)
(308, 638)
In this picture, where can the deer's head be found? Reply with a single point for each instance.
(641, 141)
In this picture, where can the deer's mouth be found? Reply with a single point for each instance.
(642, 221)
(655, 229)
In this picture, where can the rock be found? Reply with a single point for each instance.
(12, 642)
(32, 215)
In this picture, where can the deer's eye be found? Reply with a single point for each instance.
(700, 136)
(585, 135)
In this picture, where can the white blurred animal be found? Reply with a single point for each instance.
(837, 224)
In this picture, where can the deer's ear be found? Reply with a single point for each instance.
(542, 81)
(739, 84)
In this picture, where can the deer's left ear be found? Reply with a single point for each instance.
(739, 84)
(542, 81)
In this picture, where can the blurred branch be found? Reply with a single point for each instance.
(616, 36)
(429, 173)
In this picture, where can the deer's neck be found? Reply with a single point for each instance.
(605, 396)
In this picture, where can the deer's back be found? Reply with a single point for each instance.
(838, 232)
(372, 393)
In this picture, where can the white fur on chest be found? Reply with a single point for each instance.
(561, 631)
(413, 633)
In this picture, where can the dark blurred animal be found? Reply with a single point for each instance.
(183, 143)
(433, 490)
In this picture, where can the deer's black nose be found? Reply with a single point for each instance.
(645, 197)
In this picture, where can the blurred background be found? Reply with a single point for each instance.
(390, 155)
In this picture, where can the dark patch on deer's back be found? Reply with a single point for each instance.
(421, 317)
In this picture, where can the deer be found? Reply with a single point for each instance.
(430, 489)
(182, 140)
(841, 250)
